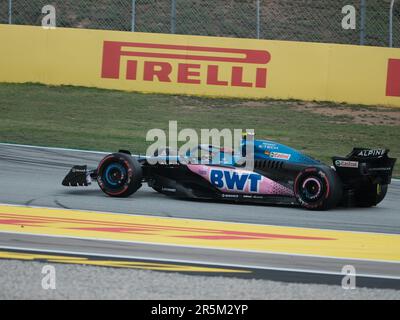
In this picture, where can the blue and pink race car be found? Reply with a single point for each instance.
(279, 175)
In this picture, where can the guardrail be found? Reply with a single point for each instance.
(316, 21)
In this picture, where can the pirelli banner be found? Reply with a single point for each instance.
(200, 65)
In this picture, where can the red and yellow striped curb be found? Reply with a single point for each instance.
(120, 263)
(199, 233)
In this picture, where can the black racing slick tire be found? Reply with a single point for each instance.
(382, 190)
(318, 188)
(119, 175)
(370, 195)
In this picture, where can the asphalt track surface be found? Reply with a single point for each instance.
(32, 176)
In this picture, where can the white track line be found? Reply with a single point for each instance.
(231, 265)
(51, 148)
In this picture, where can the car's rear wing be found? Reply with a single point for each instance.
(372, 165)
(365, 153)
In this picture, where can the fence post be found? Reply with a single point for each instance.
(391, 24)
(362, 23)
(258, 18)
(173, 16)
(9, 11)
(133, 15)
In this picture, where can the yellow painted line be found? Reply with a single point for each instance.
(198, 233)
(114, 263)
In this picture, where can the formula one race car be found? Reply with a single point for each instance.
(280, 175)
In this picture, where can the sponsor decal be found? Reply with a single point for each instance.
(268, 145)
(251, 196)
(346, 164)
(195, 64)
(240, 181)
(371, 153)
(279, 155)
(230, 196)
(168, 189)
(235, 181)
(393, 78)
(380, 169)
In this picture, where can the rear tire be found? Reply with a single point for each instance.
(318, 188)
(119, 175)
(370, 195)
(382, 193)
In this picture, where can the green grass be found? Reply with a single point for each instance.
(108, 120)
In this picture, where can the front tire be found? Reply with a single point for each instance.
(318, 188)
(119, 175)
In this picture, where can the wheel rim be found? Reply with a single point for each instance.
(311, 189)
(114, 175)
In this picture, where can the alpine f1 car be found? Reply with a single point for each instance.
(280, 175)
